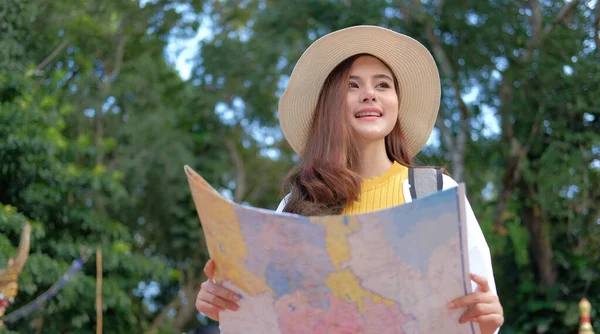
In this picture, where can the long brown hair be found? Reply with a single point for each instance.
(326, 178)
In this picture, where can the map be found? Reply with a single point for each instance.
(388, 271)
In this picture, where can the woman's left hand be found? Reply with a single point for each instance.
(483, 307)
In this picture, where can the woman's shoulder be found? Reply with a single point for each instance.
(448, 182)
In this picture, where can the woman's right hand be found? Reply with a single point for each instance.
(214, 298)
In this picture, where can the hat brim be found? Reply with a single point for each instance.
(412, 64)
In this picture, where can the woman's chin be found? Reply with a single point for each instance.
(370, 136)
(371, 130)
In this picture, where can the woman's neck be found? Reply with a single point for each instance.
(373, 159)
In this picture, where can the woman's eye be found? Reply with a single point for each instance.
(353, 85)
(383, 85)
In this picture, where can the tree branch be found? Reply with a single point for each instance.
(439, 7)
(408, 9)
(51, 56)
(240, 173)
(446, 133)
(518, 3)
(597, 29)
(512, 174)
(536, 23)
(540, 245)
(513, 160)
(438, 50)
(537, 34)
(258, 189)
(536, 29)
(187, 311)
(461, 138)
(585, 196)
(175, 303)
(456, 145)
(98, 122)
(560, 17)
(183, 303)
(118, 58)
(535, 128)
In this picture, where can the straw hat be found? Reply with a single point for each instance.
(411, 63)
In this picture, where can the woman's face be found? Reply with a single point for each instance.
(372, 100)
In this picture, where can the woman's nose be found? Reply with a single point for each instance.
(368, 94)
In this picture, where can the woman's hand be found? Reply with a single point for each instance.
(214, 298)
(483, 307)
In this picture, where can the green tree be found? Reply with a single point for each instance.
(97, 125)
(49, 188)
(523, 65)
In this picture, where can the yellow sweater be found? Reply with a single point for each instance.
(381, 192)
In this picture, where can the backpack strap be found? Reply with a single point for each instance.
(425, 181)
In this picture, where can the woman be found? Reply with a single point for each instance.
(360, 104)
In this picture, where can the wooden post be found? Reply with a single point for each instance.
(98, 291)
(585, 325)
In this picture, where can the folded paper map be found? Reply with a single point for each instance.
(388, 271)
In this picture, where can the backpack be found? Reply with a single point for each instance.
(425, 181)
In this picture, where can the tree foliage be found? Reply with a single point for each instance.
(96, 125)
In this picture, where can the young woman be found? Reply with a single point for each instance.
(360, 104)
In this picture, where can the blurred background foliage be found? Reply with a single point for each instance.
(102, 103)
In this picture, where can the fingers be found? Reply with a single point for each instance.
(480, 310)
(491, 320)
(473, 298)
(483, 306)
(214, 298)
(495, 319)
(220, 291)
(221, 303)
(209, 269)
(482, 294)
(482, 283)
(209, 310)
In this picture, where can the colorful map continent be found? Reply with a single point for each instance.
(303, 270)
(295, 316)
